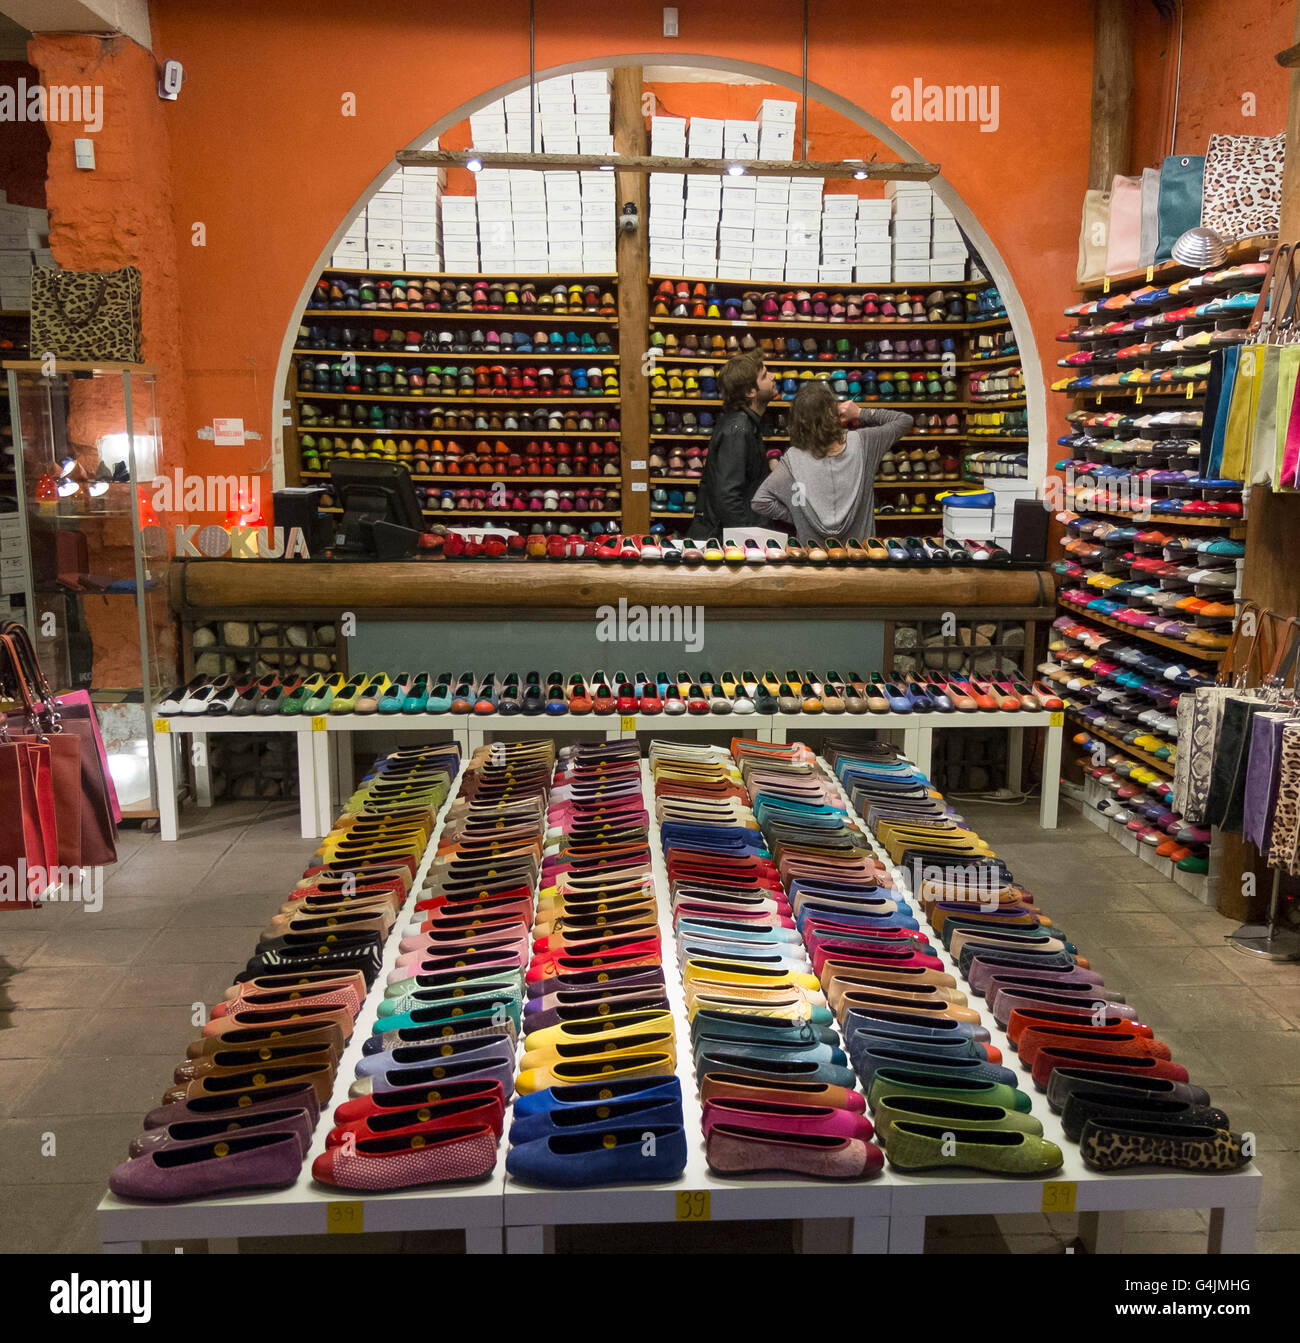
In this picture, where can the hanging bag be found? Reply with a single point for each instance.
(1094, 231)
(1267, 335)
(1242, 194)
(1124, 241)
(91, 315)
(1181, 178)
(1149, 234)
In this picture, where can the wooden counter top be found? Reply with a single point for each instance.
(409, 590)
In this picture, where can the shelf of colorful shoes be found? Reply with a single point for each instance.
(908, 517)
(757, 286)
(1154, 391)
(488, 277)
(900, 404)
(490, 475)
(344, 430)
(757, 324)
(1236, 522)
(521, 513)
(436, 400)
(1109, 680)
(542, 316)
(1080, 703)
(918, 482)
(674, 480)
(1151, 761)
(839, 363)
(1148, 636)
(481, 357)
(1239, 254)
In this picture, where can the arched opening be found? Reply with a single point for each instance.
(698, 66)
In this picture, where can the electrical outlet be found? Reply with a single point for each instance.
(84, 150)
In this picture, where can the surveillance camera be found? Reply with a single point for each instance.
(627, 221)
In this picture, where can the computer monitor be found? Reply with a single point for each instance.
(381, 511)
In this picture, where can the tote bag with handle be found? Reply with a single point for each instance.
(92, 315)
(1149, 236)
(1242, 195)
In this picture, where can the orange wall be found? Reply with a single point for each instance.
(261, 153)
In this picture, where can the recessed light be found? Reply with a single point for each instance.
(474, 165)
(860, 174)
(607, 167)
(735, 169)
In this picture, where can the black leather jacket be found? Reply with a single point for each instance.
(736, 466)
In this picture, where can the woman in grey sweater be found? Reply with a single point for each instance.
(824, 484)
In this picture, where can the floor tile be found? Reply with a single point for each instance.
(122, 1084)
(86, 988)
(164, 985)
(62, 1151)
(1123, 930)
(1169, 967)
(1166, 1242)
(228, 947)
(230, 907)
(18, 944)
(124, 1030)
(17, 1077)
(41, 1216)
(89, 946)
(36, 1034)
(1282, 999)
(1192, 1009)
(1253, 1058)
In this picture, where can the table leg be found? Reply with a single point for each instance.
(918, 746)
(1232, 1230)
(906, 1234)
(823, 1235)
(307, 786)
(164, 756)
(1015, 758)
(1102, 1232)
(202, 766)
(322, 788)
(483, 1240)
(870, 1235)
(778, 733)
(530, 1240)
(1051, 789)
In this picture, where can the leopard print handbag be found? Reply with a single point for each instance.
(91, 315)
(1242, 194)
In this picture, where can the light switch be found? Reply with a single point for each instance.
(85, 153)
(670, 22)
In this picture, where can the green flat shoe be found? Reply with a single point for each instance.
(346, 696)
(914, 1146)
(903, 1081)
(892, 1107)
(311, 687)
(415, 696)
(320, 702)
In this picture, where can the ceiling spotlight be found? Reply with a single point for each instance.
(67, 488)
(66, 465)
(474, 165)
(96, 488)
(735, 169)
(860, 174)
(607, 167)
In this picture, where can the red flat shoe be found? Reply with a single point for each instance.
(1046, 698)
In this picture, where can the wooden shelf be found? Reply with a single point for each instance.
(838, 364)
(435, 400)
(908, 517)
(660, 400)
(1168, 271)
(522, 513)
(1173, 519)
(1153, 761)
(587, 357)
(903, 287)
(916, 482)
(1150, 391)
(1148, 636)
(482, 277)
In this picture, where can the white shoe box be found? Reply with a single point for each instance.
(874, 254)
(911, 251)
(770, 258)
(947, 273)
(739, 216)
(802, 240)
(912, 207)
(736, 252)
(837, 260)
(422, 262)
(586, 124)
(665, 230)
(798, 217)
(694, 254)
(840, 204)
(912, 230)
(803, 259)
(871, 208)
(873, 231)
(415, 208)
(592, 105)
(835, 274)
(950, 252)
(898, 186)
(459, 207)
(774, 217)
(771, 195)
(356, 230)
(596, 144)
(560, 231)
(562, 185)
(776, 111)
(873, 274)
(534, 211)
(384, 247)
(710, 218)
(741, 188)
(839, 226)
(700, 233)
(384, 207)
(384, 228)
(945, 229)
(728, 233)
(768, 274)
(776, 145)
(590, 82)
(421, 188)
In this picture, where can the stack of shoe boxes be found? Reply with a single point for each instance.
(873, 258)
(703, 212)
(496, 221)
(563, 221)
(948, 254)
(666, 230)
(772, 234)
(384, 227)
(738, 236)
(592, 113)
(460, 235)
(421, 222)
(599, 209)
(839, 237)
(527, 202)
(775, 129)
(24, 241)
(803, 228)
(912, 218)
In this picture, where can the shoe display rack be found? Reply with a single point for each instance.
(944, 354)
(883, 1212)
(1153, 550)
(499, 394)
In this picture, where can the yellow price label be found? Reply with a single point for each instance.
(1099, 398)
(1059, 1195)
(628, 722)
(161, 725)
(1105, 285)
(1139, 396)
(1057, 719)
(1191, 387)
(695, 1205)
(345, 1219)
(319, 723)
(1151, 274)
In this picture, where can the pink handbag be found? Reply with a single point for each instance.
(1124, 245)
(1291, 452)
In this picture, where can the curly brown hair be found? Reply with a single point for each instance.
(814, 418)
(739, 377)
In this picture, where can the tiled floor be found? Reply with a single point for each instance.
(95, 1011)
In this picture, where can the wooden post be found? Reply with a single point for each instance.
(633, 304)
(1272, 558)
(1112, 91)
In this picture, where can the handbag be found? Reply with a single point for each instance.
(92, 315)
(1242, 192)
(1094, 230)
(1288, 371)
(1124, 240)
(1270, 326)
(83, 784)
(1214, 426)
(1181, 179)
(1200, 718)
(1284, 842)
(1259, 805)
(1149, 232)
